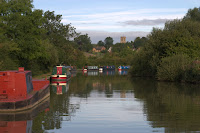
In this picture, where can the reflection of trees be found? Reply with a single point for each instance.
(80, 86)
(172, 106)
(60, 109)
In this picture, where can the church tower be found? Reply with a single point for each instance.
(123, 39)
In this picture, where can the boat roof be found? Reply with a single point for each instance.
(65, 66)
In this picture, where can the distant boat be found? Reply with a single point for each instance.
(108, 68)
(123, 68)
(61, 74)
(100, 69)
(90, 68)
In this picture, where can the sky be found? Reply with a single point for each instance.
(115, 18)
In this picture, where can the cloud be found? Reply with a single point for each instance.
(139, 12)
(129, 23)
(146, 22)
(96, 36)
(125, 20)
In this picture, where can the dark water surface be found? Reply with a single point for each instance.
(113, 103)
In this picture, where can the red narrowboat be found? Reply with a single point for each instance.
(19, 92)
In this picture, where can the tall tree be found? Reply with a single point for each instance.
(100, 43)
(139, 42)
(193, 14)
(108, 42)
(23, 26)
(84, 42)
(57, 32)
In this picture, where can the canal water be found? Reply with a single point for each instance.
(112, 102)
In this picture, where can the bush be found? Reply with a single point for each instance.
(193, 73)
(142, 64)
(173, 68)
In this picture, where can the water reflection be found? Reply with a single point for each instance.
(102, 73)
(115, 103)
(92, 73)
(123, 72)
(16, 126)
(60, 88)
(21, 122)
(173, 106)
(109, 72)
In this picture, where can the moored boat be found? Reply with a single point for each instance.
(85, 69)
(19, 92)
(100, 69)
(123, 68)
(60, 73)
(90, 68)
(108, 68)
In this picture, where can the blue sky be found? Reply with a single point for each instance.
(131, 18)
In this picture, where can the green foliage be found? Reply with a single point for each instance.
(193, 73)
(108, 42)
(179, 37)
(84, 43)
(109, 59)
(104, 51)
(8, 59)
(140, 65)
(118, 47)
(57, 32)
(79, 59)
(139, 42)
(193, 14)
(100, 43)
(173, 68)
(33, 39)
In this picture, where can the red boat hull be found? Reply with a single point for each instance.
(59, 78)
(37, 96)
(18, 92)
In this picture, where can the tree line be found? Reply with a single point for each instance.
(172, 53)
(35, 39)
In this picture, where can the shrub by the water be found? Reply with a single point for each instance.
(173, 68)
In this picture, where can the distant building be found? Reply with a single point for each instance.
(123, 39)
(98, 49)
(110, 50)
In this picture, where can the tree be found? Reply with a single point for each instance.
(23, 26)
(100, 43)
(57, 32)
(108, 42)
(193, 14)
(118, 47)
(139, 42)
(84, 42)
